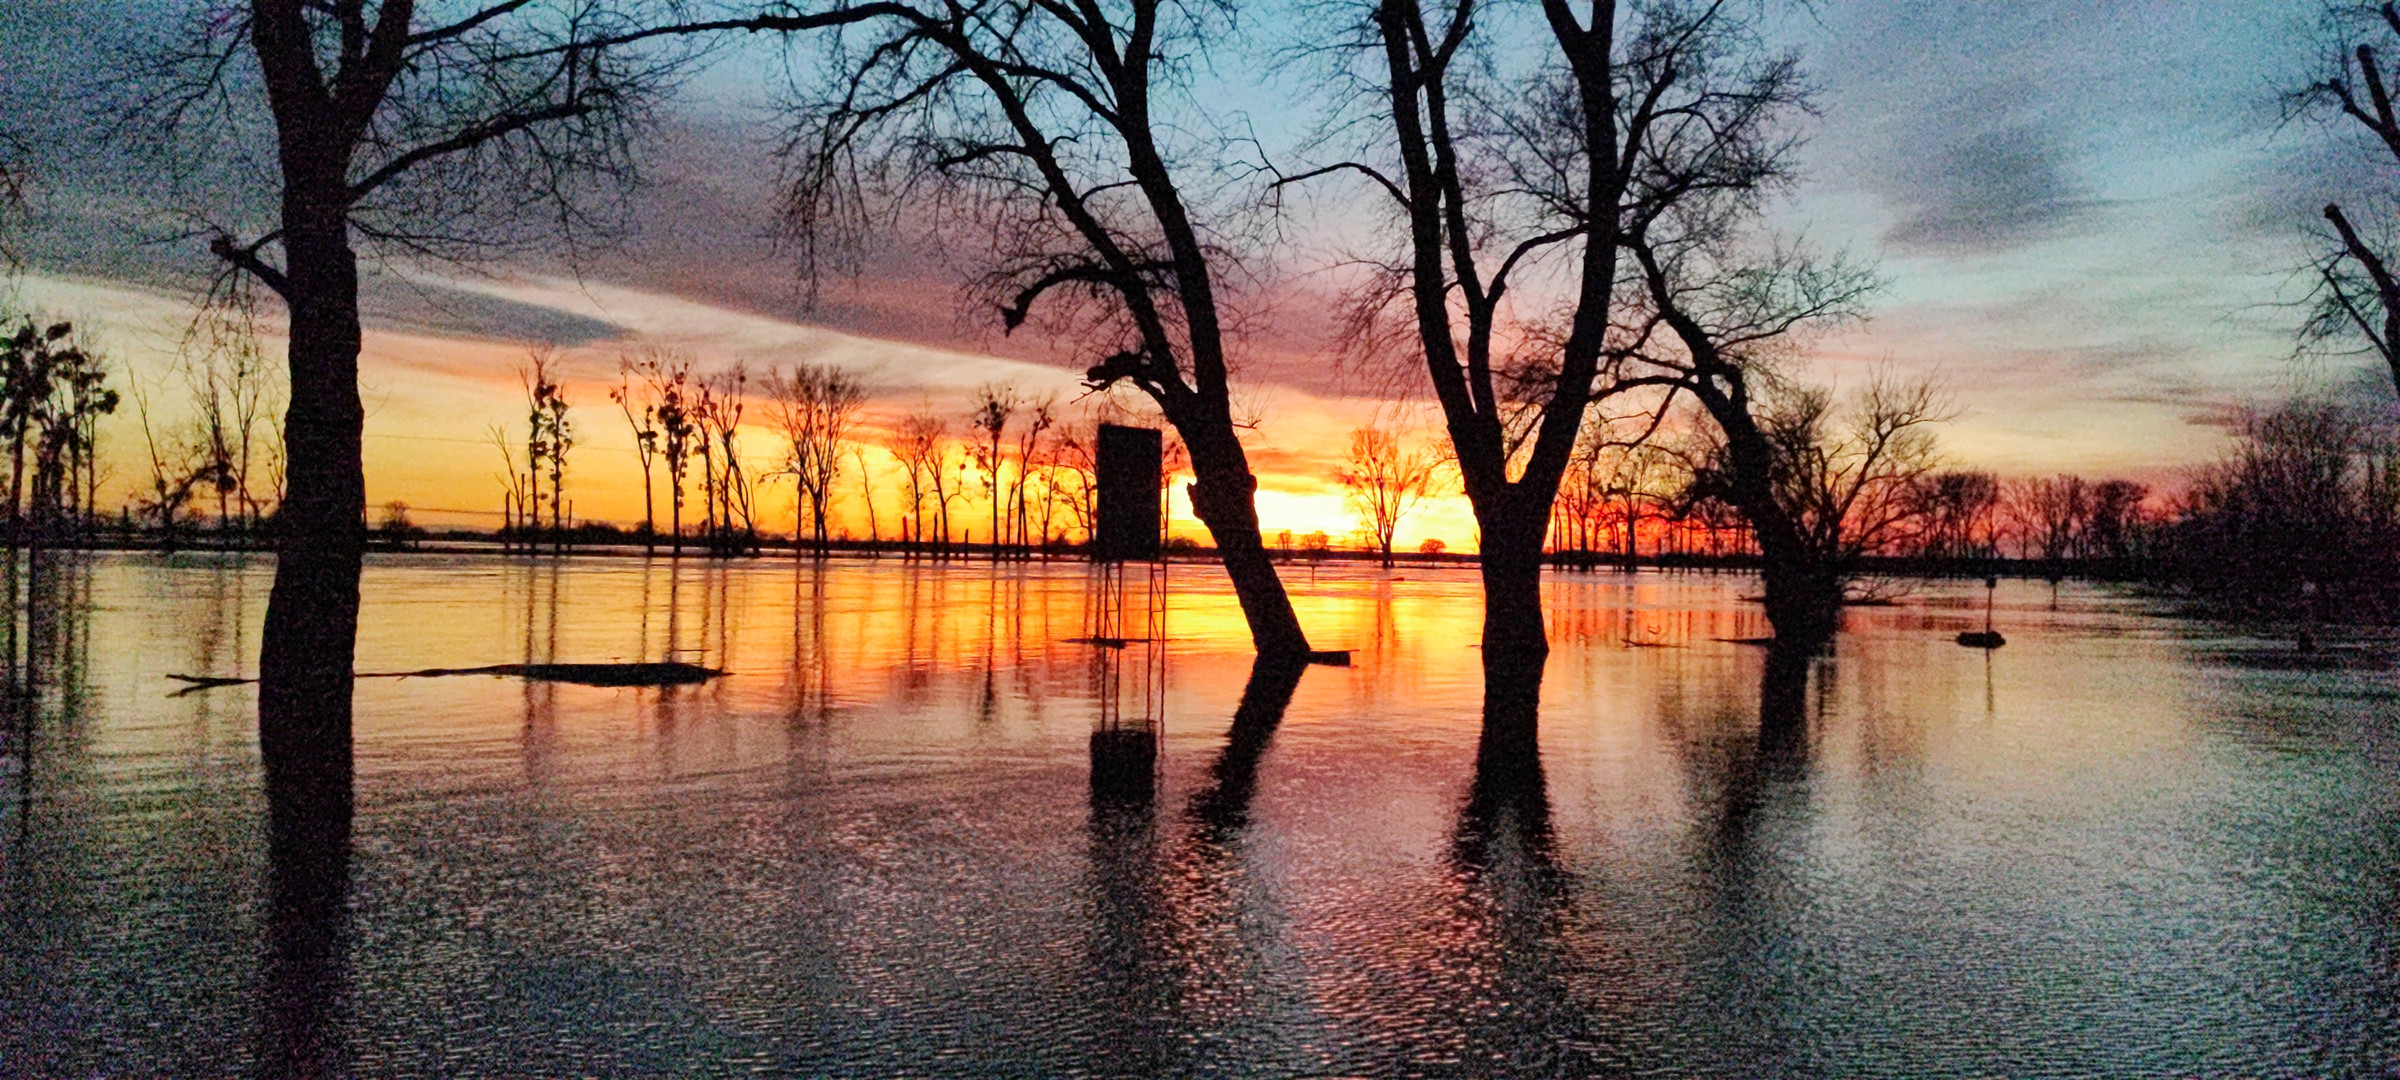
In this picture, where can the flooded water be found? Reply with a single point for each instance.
(889, 842)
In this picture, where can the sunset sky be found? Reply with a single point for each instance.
(2089, 216)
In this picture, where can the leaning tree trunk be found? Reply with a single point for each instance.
(304, 665)
(1224, 496)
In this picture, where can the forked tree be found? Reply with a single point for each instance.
(417, 127)
(923, 447)
(2358, 287)
(815, 406)
(640, 409)
(995, 406)
(1382, 481)
(1823, 485)
(1517, 159)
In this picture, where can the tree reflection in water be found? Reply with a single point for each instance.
(1513, 892)
(306, 984)
(1175, 922)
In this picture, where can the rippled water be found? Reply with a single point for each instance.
(2124, 845)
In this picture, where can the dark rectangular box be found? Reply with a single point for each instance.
(1129, 462)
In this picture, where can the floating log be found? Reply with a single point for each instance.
(663, 673)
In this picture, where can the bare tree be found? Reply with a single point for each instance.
(672, 397)
(639, 404)
(1059, 131)
(1539, 174)
(725, 482)
(177, 465)
(995, 406)
(2116, 516)
(1031, 447)
(548, 434)
(1835, 485)
(1382, 481)
(866, 494)
(923, 450)
(2358, 290)
(1958, 514)
(232, 389)
(2049, 514)
(518, 508)
(815, 407)
(417, 127)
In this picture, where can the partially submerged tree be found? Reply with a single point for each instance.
(2301, 517)
(669, 413)
(234, 391)
(1382, 481)
(1823, 487)
(1532, 186)
(417, 126)
(1056, 135)
(548, 434)
(2049, 514)
(1958, 515)
(53, 391)
(995, 406)
(726, 486)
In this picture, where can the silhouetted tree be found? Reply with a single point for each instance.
(1055, 129)
(2309, 496)
(2358, 290)
(672, 398)
(924, 450)
(548, 434)
(53, 391)
(994, 407)
(2116, 519)
(1958, 515)
(639, 403)
(815, 407)
(726, 487)
(1823, 487)
(232, 390)
(1505, 176)
(519, 515)
(177, 465)
(422, 128)
(1382, 482)
(1042, 415)
(2050, 514)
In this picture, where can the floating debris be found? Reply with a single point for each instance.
(664, 673)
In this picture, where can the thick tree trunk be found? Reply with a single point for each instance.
(1512, 580)
(304, 665)
(306, 984)
(1803, 599)
(1224, 495)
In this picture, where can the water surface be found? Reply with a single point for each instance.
(889, 844)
